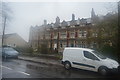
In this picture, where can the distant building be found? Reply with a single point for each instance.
(14, 40)
(58, 35)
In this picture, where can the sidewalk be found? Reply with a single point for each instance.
(50, 62)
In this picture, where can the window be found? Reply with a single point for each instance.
(99, 55)
(82, 34)
(55, 35)
(8, 49)
(94, 34)
(61, 45)
(47, 36)
(72, 45)
(72, 34)
(63, 35)
(90, 55)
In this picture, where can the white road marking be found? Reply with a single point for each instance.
(16, 71)
(23, 73)
(7, 67)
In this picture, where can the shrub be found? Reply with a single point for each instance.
(24, 49)
(44, 49)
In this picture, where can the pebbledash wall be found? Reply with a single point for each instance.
(74, 33)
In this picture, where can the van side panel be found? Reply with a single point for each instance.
(78, 59)
(72, 55)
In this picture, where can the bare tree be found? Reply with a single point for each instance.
(111, 7)
(108, 33)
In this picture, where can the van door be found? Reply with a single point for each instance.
(90, 61)
(86, 61)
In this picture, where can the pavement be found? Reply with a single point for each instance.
(47, 61)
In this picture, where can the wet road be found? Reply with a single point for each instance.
(13, 68)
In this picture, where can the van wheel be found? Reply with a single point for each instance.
(103, 71)
(67, 65)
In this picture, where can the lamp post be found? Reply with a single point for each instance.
(118, 48)
(4, 25)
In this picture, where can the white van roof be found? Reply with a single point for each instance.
(86, 49)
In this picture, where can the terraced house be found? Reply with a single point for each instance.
(74, 33)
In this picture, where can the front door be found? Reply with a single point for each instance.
(90, 61)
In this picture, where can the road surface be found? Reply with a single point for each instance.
(13, 68)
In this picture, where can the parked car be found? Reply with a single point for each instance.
(88, 59)
(8, 52)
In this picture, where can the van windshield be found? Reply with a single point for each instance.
(99, 55)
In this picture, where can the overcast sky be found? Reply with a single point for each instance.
(26, 14)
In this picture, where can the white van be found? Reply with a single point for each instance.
(88, 59)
